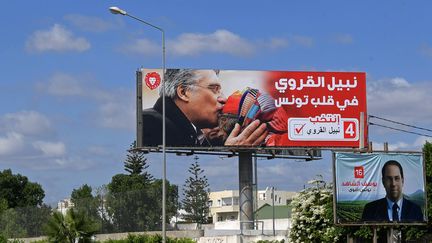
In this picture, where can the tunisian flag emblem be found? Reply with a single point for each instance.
(152, 80)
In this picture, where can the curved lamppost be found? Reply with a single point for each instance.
(116, 10)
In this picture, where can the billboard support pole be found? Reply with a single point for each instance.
(255, 189)
(245, 191)
(139, 128)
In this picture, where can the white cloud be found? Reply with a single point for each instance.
(399, 83)
(75, 163)
(11, 143)
(275, 172)
(398, 146)
(400, 100)
(61, 84)
(26, 122)
(221, 41)
(221, 169)
(89, 23)
(303, 40)
(50, 148)
(114, 108)
(420, 141)
(98, 150)
(343, 39)
(277, 43)
(142, 46)
(413, 145)
(27, 141)
(118, 114)
(56, 39)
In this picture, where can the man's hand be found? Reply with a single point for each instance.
(253, 135)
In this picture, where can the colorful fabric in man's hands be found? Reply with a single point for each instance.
(251, 105)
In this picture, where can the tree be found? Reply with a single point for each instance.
(10, 226)
(102, 211)
(136, 164)
(18, 191)
(22, 212)
(85, 202)
(33, 218)
(128, 202)
(71, 227)
(417, 232)
(196, 195)
(85, 191)
(312, 215)
(25, 221)
(133, 200)
(171, 202)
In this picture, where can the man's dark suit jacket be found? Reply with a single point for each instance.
(179, 130)
(377, 211)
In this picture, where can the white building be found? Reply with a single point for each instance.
(64, 205)
(224, 205)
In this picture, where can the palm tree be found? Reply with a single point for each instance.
(75, 225)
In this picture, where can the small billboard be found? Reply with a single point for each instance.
(379, 188)
(272, 109)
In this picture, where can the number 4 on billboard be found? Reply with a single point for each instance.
(350, 130)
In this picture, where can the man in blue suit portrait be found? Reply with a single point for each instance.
(393, 207)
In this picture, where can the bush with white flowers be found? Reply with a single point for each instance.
(312, 217)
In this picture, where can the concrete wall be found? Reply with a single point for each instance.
(194, 234)
(280, 224)
(241, 238)
(227, 225)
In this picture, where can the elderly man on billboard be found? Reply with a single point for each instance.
(194, 101)
(394, 207)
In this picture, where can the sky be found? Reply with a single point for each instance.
(67, 90)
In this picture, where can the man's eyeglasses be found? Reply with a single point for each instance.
(215, 88)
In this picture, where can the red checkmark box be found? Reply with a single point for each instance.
(299, 128)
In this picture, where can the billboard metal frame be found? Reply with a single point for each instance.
(362, 142)
(361, 223)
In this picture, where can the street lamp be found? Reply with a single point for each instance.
(116, 10)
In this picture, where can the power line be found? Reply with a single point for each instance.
(401, 130)
(400, 123)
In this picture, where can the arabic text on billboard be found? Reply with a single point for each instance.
(272, 108)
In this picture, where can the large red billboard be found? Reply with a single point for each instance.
(276, 109)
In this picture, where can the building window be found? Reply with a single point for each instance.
(235, 201)
(219, 203)
(210, 203)
(227, 201)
